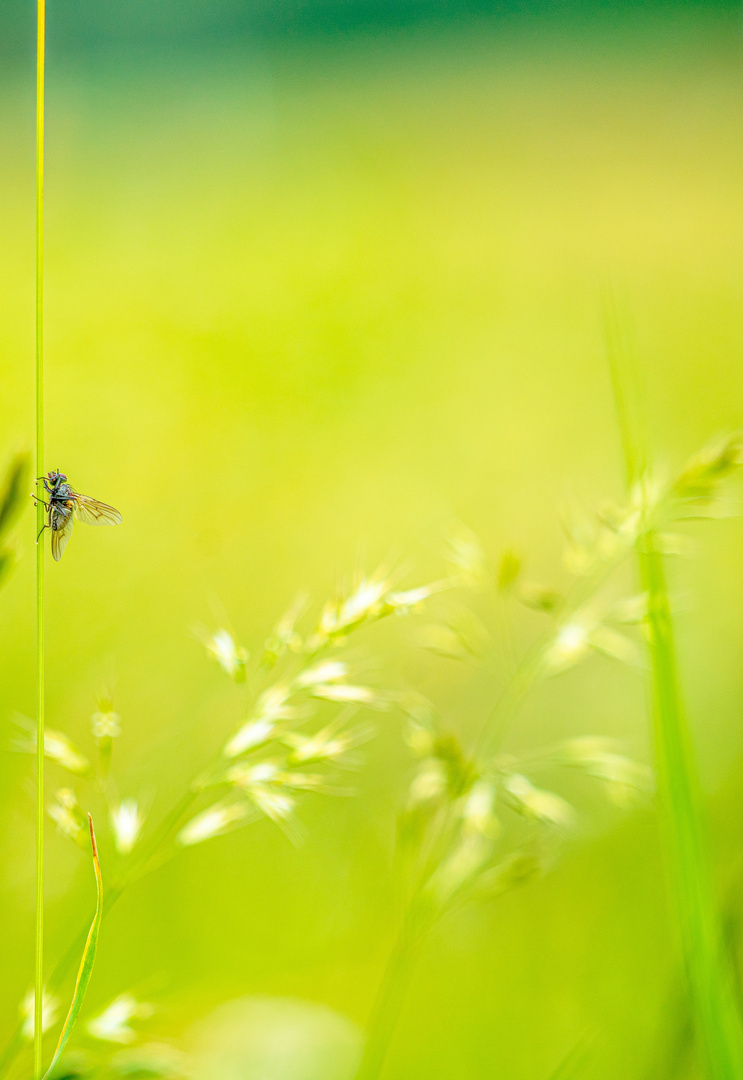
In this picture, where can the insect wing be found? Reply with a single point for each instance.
(61, 529)
(93, 512)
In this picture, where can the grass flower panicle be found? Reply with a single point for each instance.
(474, 824)
(474, 820)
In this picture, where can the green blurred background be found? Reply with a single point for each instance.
(321, 280)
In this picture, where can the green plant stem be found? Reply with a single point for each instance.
(390, 999)
(711, 988)
(708, 971)
(39, 942)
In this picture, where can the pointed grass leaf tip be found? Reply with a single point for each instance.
(86, 963)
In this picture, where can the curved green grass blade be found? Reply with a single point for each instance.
(88, 959)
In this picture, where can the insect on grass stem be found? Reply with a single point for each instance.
(39, 942)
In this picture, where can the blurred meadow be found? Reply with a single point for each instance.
(315, 295)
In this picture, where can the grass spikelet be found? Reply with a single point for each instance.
(88, 959)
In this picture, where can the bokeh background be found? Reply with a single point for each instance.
(321, 280)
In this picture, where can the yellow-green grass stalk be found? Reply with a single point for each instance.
(708, 970)
(711, 988)
(390, 998)
(39, 942)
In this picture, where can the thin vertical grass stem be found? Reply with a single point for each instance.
(709, 979)
(39, 936)
(708, 971)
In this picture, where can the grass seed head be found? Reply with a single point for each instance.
(105, 724)
(270, 714)
(245, 776)
(326, 671)
(411, 599)
(477, 809)
(68, 816)
(218, 819)
(535, 803)
(126, 824)
(429, 783)
(465, 555)
(221, 646)
(346, 694)
(285, 635)
(701, 478)
(276, 805)
(57, 747)
(251, 736)
(331, 744)
(625, 780)
(539, 597)
(570, 645)
(114, 1023)
(49, 1013)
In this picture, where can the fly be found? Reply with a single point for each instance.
(65, 505)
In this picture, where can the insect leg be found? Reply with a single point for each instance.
(38, 500)
(41, 531)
